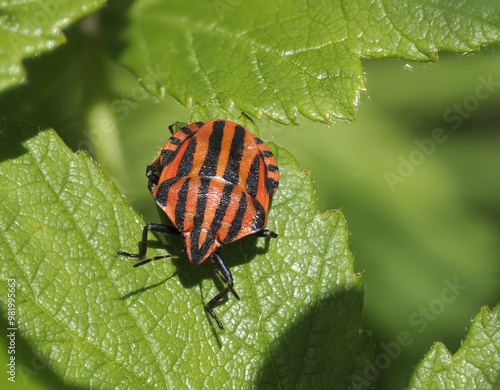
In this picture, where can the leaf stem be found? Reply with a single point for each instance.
(101, 124)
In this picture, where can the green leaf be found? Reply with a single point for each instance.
(280, 58)
(102, 324)
(28, 28)
(476, 365)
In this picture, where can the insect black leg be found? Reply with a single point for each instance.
(155, 227)
(266, 233)
(224, 273)
(152, 175)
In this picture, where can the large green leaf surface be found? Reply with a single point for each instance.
(476, 365)
(28, 28)
(99, 323)
(280, 57)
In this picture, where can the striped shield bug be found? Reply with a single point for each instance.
(214, 181)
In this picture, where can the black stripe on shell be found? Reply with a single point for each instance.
(272, 168)
(197, 253)
(180, 207)
(175, 141)
(252, 182)
(201, 204)
(163, 190)
(271, 186)
(260, 216)
(222, 207)
(186, 163)
(167, 156)
(237, 220)
(209, 168)
(232, 171)
(187, 131)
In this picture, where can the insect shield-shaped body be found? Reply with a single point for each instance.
(214, 180)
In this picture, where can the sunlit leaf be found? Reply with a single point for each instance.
(99, 323)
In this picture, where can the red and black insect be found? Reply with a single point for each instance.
(214, 180)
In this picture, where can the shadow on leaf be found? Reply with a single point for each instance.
(324, 350)
(31, 368)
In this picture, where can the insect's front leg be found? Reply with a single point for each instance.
(152, 176)
(155, 227)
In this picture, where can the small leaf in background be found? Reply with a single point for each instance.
(99, 323)
(282, 58)
(29, 28)
(476, 365)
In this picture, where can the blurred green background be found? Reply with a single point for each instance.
(416, 229)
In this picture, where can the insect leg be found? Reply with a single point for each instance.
(265, 233)
(224, 273)
(152, 175)
(155, 227)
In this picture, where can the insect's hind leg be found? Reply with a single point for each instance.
(224, 273)
(154, 227)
